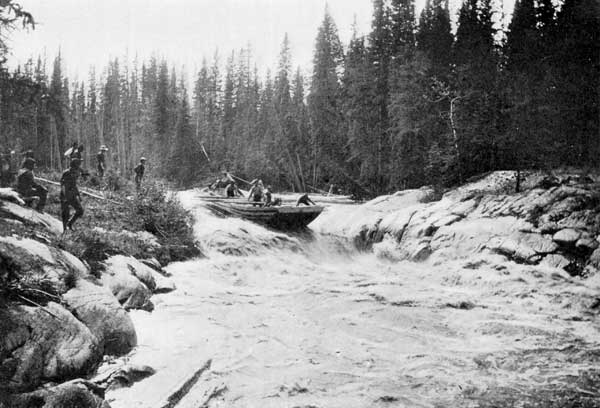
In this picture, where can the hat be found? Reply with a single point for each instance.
(75, 162)
(103, 147)
(28, 153)
(29, 162)
(142, 159)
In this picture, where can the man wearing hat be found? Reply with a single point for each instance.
(139, 172)
(256, 192)
(101, 159)
(27, 187)
(69, 194)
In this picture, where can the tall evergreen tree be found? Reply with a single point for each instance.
(403, 28)
(575, 79)
(182, 164)
(379, 54)
(58, 113)
(434, 37)
(475, 111)
(323, 103)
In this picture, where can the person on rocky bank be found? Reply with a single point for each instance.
(139, 172)
(101, 161)
(28, 188)
(69, 195)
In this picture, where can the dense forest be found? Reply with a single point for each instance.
(416, 101)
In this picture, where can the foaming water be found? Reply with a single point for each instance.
(305, 320)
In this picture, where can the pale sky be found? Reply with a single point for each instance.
(89, 32)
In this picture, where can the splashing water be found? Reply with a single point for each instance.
(305, 320)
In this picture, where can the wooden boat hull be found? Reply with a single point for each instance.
(284, 217)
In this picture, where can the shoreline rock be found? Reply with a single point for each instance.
(554, 227)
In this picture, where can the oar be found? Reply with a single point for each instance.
(239, 178)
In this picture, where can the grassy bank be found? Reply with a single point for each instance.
(148, 223)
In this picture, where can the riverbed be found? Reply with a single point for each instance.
(308, 321)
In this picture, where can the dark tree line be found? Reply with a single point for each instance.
(411, 103)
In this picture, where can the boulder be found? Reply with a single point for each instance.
(136, 268)
(129, 291)
(567, 236)
(133, 282)
(594, 260)
(35, 261)
(555, 261)
(122, 375)
(154, 264)
(421, 252)
(149, 276)
(30, 217)
(78, 393)
(101, 312)
(8, 194)
(39, 344)
(586, 244)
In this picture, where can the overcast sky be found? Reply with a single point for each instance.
(89, 32)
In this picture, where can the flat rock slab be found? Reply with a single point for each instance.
(31, 217)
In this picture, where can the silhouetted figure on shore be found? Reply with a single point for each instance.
(28, 188)
(101, 161)
(139, 172)
(69, 194)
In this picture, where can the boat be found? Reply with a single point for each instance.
(284, 217)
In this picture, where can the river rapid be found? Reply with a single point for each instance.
(308, 321)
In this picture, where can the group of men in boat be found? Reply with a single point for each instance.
(259, 195)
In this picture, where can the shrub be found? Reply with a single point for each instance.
(161, 214)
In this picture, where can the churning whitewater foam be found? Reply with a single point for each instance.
(307, 321)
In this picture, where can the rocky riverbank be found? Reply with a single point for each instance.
(552, 222)
(61, 317)
(487, 256)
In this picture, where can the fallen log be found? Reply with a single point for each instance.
(175, 397)
(82, 191)
(317, 189)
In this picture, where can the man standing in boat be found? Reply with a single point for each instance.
(232, 190)
(256, 192)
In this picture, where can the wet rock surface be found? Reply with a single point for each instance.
(560, 221)
(100, 311)
(41, 344)
(78, 393)
(29, 216)
(133, 282)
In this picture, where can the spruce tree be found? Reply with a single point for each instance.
(58, 112)
(434, 37)
(182, 165)
(324, 105)
(379, 54)
(475, 111)
(403, 28)
(575, 79)
(358, 115)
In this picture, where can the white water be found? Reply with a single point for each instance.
(301, 321)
